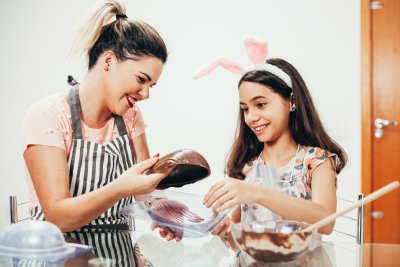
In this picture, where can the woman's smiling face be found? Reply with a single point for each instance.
(130, 81)
(265, 112)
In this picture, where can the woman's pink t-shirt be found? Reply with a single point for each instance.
(48, 122)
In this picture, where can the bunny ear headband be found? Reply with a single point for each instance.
(257, 51)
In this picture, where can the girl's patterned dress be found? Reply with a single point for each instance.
(292, 179)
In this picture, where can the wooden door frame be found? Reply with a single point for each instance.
(366, 112)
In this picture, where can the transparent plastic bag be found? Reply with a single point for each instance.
(268, 177)
(181, 213)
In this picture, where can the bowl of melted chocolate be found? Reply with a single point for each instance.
(273, 241)
(186, 166)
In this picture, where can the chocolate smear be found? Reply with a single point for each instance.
(170, 213)
(274, 247)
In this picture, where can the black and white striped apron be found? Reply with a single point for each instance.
(92, 166)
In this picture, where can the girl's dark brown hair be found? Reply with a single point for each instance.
(129, 39)
(304, 123)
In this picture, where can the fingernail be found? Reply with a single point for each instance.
(156, 155)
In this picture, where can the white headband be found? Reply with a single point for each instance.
(272, 69)
(257, 51)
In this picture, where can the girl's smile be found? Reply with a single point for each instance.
(259, 129)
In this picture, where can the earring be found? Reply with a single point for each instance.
(106, 67)
(293, 107)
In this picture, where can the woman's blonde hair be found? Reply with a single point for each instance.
(107, 28)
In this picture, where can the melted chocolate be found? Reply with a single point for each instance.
(187, 165)
(273, 247)
(174, 211)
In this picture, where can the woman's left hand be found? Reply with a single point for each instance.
(164, 233)
(229, 193)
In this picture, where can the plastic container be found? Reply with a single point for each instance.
(274, 241)
(181, 213)
(38, 240)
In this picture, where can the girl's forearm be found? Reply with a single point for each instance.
(292, 208)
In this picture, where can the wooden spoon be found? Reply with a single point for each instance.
(378, 193)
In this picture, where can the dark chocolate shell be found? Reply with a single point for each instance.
(188, 166)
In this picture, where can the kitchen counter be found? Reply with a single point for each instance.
(209, 251)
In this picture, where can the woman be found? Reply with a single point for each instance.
(80, 149)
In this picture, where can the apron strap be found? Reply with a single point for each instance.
(105, 227)
(120, 125)
(75, 105)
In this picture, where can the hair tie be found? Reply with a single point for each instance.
(71, 80)
(121, 16)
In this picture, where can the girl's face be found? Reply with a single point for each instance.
(129, 81)
(265, 112)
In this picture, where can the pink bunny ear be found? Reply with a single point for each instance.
(257, 49)
(225, 62)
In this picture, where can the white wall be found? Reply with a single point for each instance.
(320, 37)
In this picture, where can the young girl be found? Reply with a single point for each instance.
(80, 148)
(282, 162)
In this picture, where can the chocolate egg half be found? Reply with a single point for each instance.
(187, 166)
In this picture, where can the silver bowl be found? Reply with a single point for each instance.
(32, 239)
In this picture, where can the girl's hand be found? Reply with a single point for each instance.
(164, 233)
(224, 232)
(135, 181)
(223, 229)
(229, 193)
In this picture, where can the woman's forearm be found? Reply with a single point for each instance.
(72, 213)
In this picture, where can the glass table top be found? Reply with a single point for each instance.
(211, 251)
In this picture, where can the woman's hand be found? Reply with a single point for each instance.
(229, 193)
(164, 233)
(135, 181)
